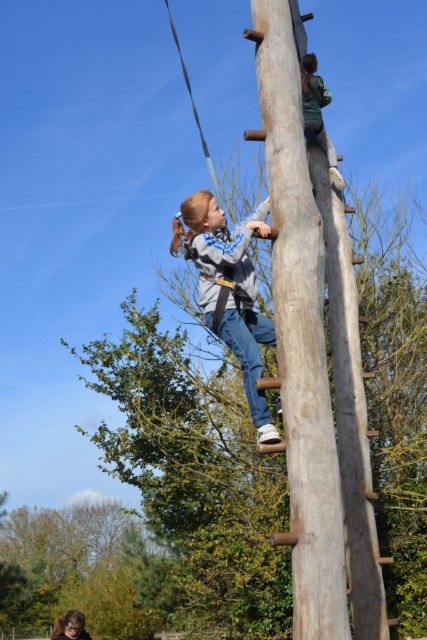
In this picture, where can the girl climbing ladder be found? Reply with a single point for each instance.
(315, 96)
(228, 290)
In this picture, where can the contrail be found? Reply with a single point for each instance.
(93, 201)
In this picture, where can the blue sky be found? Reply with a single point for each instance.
(99, 147)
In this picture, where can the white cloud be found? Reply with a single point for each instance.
(87, 496)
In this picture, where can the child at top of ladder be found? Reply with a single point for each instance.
(228, 289)
(315, 96)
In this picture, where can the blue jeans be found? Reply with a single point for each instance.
(242, 337)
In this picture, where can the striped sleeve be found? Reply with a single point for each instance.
(219, 252)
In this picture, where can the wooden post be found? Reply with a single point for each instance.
(318, 560)
(364, 572)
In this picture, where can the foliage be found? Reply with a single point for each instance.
(13, 581)
(145, 373)
(190, 455)
(411, 579)
(237, 584)
(176, 443)
(12, 586)
(72, 538)
(51, 552)
(109, 600)
(152, 575)
(393, 295)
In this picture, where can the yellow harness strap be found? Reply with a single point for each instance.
(220, 281)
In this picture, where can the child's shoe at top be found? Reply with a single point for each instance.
(268, 434)
(336, 178)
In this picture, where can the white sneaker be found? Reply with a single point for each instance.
(336, 178)
(268, 434)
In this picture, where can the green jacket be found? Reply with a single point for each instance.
(313, 101)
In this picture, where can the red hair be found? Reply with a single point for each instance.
(194, 211)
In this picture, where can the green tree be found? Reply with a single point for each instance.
(46, 548)
(29, 536)
(393, 296)
(188, 445)
(175, 445)
(13, 581)
(109, 599)
(153, 570)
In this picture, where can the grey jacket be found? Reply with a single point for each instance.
(210, 253)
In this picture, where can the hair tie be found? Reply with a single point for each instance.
(178, 215)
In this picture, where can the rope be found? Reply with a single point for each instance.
(196, 115)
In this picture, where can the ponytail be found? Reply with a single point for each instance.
(58, 627)
(178, 234)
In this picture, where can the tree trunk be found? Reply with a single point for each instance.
(364, 572)
(318, 559)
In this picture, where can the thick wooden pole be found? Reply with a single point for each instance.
(369, 611)
(318, 560)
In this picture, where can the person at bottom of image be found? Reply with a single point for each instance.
(71, 625)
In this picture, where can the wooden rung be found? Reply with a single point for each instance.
(280, 447)
(385, 560)
(358, 260)
(254, 36)
(255, 135)
(307, 16)
(271, 236)
(340, 158)
(393, 622)
(282, 539)
(372, 433)
(268, 383)
(349, 210)
(369, 375)
(371, 495)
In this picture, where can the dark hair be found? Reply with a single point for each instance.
(194, 211)
(74, 617)
(308, 67)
